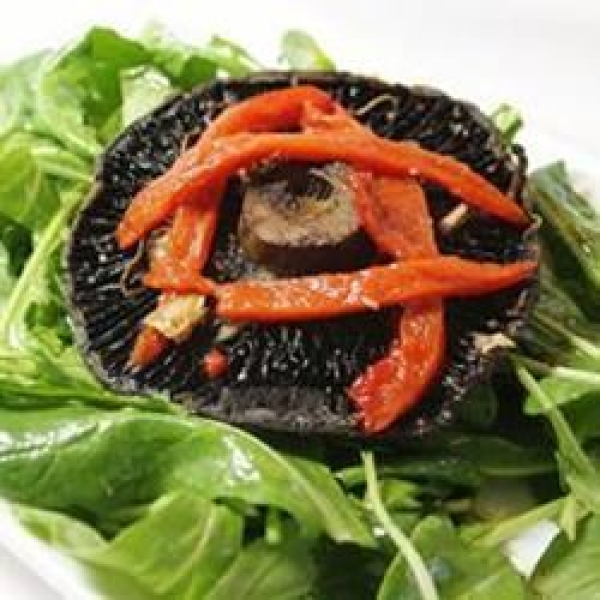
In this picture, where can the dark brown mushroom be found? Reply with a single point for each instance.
(297, 219)
(292, 377)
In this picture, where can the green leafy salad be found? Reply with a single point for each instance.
(156, 504)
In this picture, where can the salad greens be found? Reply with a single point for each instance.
(155, 504)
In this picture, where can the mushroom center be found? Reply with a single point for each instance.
(299, 219)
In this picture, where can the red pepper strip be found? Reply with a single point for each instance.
(273, 111)
(193, 227)
(395, 215)
(393, 385)
(187, 178)
(338, 119)
(278, 110)
(192, 231)
(215, 364)
(177, 278)
(330, 295)
(148, 346)
(188, 248)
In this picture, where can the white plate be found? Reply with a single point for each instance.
(542, 55)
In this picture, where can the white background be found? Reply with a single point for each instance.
(541, 55)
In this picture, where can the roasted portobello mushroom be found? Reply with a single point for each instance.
(283, 219)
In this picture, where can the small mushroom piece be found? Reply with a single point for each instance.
(298, 219)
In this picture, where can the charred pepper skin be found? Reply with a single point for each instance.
(291, 378)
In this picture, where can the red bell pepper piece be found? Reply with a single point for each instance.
(330, 295)
(215, 364)
(279, 110)
(394, 213)
(177, 278)
(191, 234)
(189, 177)
(148, 346)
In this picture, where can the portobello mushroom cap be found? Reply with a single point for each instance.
(292, 377)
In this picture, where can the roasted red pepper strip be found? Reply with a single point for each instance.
(337, 119)
(191, 234)
(396, 383)
(394, 214)
(148, 346)
(330, 295)
(189, 177)
(279, 110)
(215, 364)
(179, 279)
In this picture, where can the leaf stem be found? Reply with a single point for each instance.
(17, 304)
(567, 442)
(578, 375)
(405, 547)
(576, 341)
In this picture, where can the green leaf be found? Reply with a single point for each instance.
(64, 533)
(143, 89)
(128, 457)
(27, 196)
(498, 457)
(93, 67)
(178, 550)
(300, 51)
(32, 285)
(236, 465)
(59, 111)
(564, 391)
(508, 120)
(576, 467)
(461, 571)
(285, 571)
(230, 57)
(569, 569)
(572, 228)
(16, 92)
(185, 66)
(416, 568)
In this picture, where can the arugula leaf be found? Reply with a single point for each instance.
(92, 70)
(187, 66)
(143, 89)
(32, 285)
(576, 467)
(569, 569)
(179, 549)
(572, 231)
(17, 83)
(300, 51)
(461, 571)
(231, 57)
(27, 196)
(126, 457)
(184, 65)
(58, 111)
(285, 571)
(424, 584)
(508, 120)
